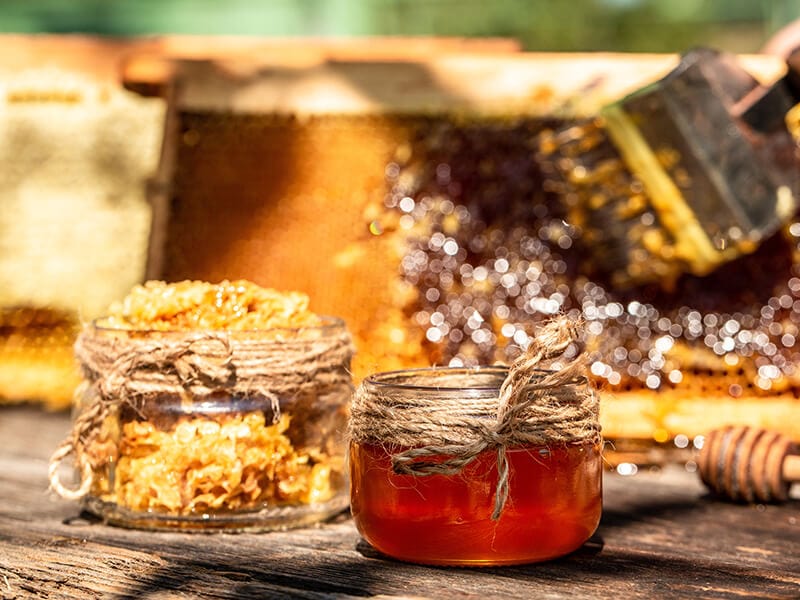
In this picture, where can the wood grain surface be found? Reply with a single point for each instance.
(661, 536)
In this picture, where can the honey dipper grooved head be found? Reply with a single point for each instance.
(745, 464)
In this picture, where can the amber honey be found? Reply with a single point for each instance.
(553, 507)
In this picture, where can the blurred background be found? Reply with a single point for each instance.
(552, 25)
(156, 146)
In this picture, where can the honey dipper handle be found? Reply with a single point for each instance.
(791, 468)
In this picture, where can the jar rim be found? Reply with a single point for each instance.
(329, 323)
(399, 379)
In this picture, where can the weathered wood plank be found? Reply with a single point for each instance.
(660, 536)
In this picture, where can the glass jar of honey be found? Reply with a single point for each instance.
(553, 501)
(211, 428)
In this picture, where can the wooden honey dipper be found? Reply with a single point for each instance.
(748, 464)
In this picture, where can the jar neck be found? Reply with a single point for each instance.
(455, 382)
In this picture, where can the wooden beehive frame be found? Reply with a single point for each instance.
(460, 86)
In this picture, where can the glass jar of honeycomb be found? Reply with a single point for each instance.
(211, 407)
(443, 501)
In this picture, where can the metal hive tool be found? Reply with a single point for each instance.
(683, 175)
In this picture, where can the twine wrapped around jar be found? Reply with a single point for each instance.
(125, 367)
(546, 399)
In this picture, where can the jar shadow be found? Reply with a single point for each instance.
(591, 548)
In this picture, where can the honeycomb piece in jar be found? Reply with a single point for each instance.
(229, 305)
(225, 463)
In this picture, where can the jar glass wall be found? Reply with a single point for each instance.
(554, 499)
(224, 460)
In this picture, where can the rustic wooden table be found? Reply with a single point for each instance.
(660, 537)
